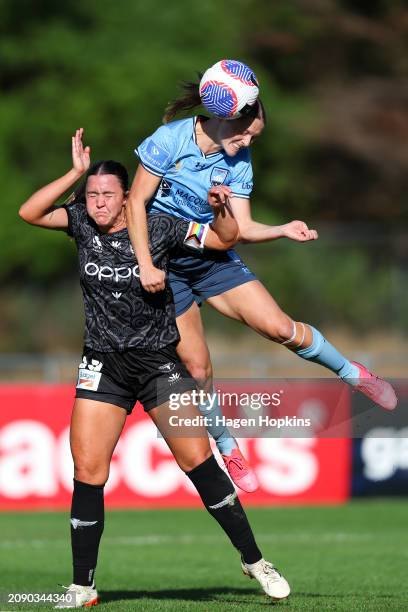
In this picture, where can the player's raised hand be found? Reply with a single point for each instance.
(299, 231)
(81, 157)
(218, 196)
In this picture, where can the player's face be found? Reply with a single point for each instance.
(234, 135)
(105, 201)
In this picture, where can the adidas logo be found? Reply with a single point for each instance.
(97, 244)
(167, 367)
(174, 378)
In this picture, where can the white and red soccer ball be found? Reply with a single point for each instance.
(228, 89)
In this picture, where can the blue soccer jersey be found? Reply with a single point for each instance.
(187, 174)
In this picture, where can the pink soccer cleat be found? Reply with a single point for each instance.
(240, 471)
(374, 387)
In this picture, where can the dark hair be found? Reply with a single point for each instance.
(190, 98)
(187, 100)
(101, 167)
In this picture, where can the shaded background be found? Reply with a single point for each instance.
(333, 77)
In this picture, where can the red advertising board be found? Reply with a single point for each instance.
(36, 467)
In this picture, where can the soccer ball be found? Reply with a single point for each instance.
(228, 89)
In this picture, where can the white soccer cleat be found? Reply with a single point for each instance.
(78, 596)
(272, 582)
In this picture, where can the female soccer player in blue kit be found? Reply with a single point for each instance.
(179, 163)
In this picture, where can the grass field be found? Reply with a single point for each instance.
(353, 557)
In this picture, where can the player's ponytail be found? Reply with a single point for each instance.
(189, 99)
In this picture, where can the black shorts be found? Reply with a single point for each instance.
(122, 378)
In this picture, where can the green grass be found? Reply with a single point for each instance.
(351, 557)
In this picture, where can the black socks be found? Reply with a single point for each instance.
(87, 521)
(221, 501)
(215, 490)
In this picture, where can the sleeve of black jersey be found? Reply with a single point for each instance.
(74, 212)
(70, 229)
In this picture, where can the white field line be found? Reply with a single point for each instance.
(158, 539)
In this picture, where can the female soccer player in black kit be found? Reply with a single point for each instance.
(129, 350)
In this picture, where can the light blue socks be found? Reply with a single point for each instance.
(324, 353)
(224, 440)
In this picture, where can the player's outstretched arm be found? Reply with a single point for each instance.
(252, 231)
(40, 208)
(143, 188)
(223, 232)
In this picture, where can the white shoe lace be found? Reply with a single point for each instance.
(269, 569)
(75, 595)
(76, 588)
(71, 587)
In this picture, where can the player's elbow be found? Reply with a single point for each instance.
(24, 214)
(233, 239)
(225, 245)
(227, 240)
(245, 232)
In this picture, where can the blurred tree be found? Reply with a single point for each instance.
(110, 68)
(333, 76)
(344, 65)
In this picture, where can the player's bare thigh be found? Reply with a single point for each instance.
(95, 431)
(252, 304)
(192, 348)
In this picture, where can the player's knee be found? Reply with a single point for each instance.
(201, 371)
(286, 329)
(189, 463)
(91, 474)
(281, 330)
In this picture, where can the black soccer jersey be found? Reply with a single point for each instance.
(119, 313)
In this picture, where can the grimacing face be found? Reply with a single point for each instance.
(237, 134)
(105, 201)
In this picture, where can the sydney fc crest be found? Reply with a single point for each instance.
(218, 175)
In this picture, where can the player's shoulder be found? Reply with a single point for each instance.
(168, 138)
(177, 129)
(76, 211)
(80, 225)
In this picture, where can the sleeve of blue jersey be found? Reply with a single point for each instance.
(156, 151)
(242, 179)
